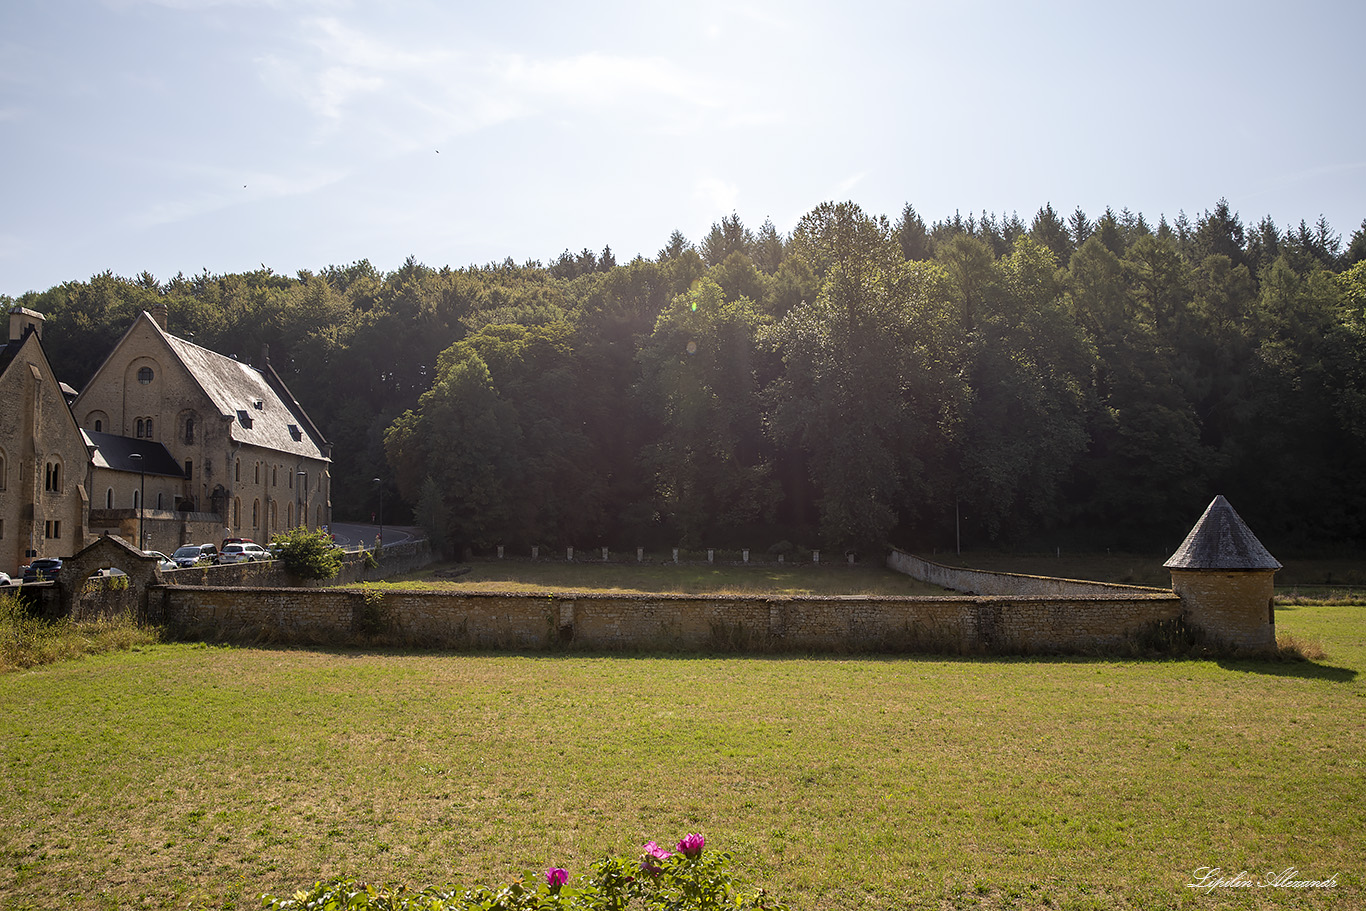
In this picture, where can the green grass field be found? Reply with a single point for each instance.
(184, 776)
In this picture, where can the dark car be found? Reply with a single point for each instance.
(43, 569)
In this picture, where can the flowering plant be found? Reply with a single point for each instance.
(689, 880)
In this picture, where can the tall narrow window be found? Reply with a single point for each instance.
(189, 430)
(274, 476)
(149, 428)
(255, 513)
(99, 425)
(158, 501)
(109, 498)
(257, 478)
(139, 428)
(237, 470)
(189, 469)
(137, 499)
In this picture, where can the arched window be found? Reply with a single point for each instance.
(255, 513)
(237, 470)
(274, 476)
(144, 375)
(139, 428)
(189, 430)
(99, 425)
(137, 499)
(109, 498)
(149, 428)
(289, 515)
(52, 477)
(236, 512)
(257, 479)
(189, 469)
(274, 515)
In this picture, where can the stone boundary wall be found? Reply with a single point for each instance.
(985, 582)
(954, 624)
(397, 559)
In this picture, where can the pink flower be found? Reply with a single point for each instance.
(691, 845)
(655, 851)
(556, 877)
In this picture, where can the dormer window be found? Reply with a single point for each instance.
(244, 419)
(258, 405)
(295, 433)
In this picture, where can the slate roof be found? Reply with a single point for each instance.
(262, 410)
(1221, 540)
(108, 450)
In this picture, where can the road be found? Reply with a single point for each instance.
(353, 536)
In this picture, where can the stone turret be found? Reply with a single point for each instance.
(1224, 577)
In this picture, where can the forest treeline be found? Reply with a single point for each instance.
(1068, 381)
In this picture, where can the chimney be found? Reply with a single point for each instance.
(22, 320)
(161, 313)
(265, 355)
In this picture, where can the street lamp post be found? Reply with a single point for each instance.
(142, 497)
(380, 539)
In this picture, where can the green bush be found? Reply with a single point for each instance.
(309, 554)
(687, 880)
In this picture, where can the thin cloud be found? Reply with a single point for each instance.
(231, 188)
(716, 194)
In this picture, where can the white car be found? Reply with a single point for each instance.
(163, 561)
(243, 553)
(5, 579)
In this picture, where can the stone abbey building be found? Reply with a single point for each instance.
(177, 444)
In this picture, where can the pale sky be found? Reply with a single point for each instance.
(183, 135)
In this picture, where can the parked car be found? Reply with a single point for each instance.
(5, 579)
(43, 569)
(227, 541)
(191, 554)
(247, 552)
(163, 561)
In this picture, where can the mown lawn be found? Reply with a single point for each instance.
(184, 776)
(694, 577)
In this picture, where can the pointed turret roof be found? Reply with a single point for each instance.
(1221, 540)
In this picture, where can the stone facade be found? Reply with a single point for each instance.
(43, 462)
(251, 463)
(1232, 607)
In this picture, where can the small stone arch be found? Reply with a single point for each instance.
(143, 571)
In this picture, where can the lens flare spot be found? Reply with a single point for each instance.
(692, 347)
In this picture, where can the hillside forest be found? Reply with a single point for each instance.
(1069, 381)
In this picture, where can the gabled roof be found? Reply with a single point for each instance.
(261, 410)
(10, 350)
(109, 450)
(1221, 540)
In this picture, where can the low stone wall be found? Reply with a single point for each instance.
(985, 582)
(962, 624)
